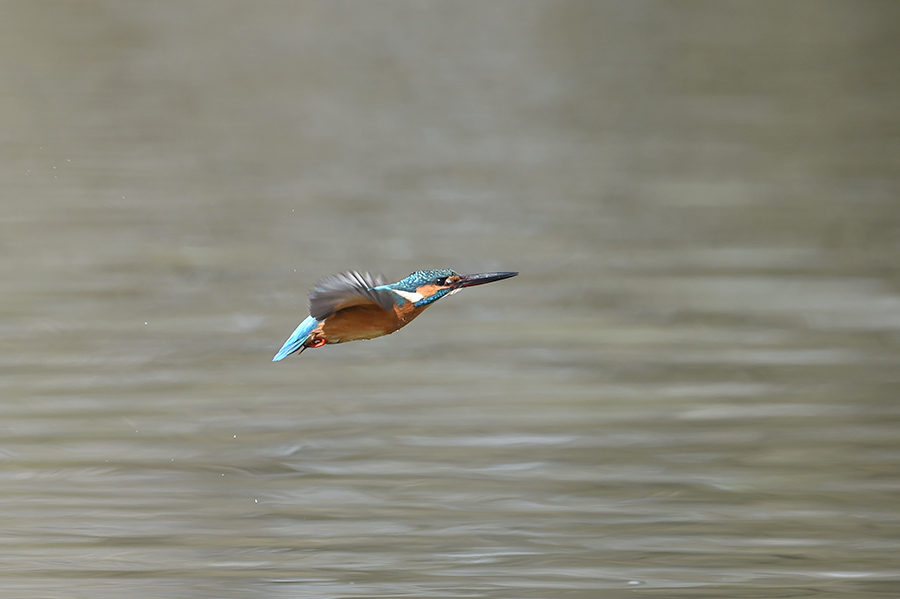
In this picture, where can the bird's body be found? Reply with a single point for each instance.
(354, 306)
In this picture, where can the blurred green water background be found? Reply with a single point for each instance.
(690, 391)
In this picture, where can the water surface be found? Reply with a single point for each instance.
(690, 391)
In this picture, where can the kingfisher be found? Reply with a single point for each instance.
(351, 306)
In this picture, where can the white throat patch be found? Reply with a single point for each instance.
(410, 296)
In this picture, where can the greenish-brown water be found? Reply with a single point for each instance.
(691, 389)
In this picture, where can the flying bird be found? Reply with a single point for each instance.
(351, 306)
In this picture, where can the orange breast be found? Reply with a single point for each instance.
(365, 322)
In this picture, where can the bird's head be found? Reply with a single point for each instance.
(423, 287)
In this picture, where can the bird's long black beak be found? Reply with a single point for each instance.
(482, 278)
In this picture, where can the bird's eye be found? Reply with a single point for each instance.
(440, 281)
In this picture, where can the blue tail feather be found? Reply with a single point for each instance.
(297, 338)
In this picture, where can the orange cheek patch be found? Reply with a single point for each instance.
(428, 290)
